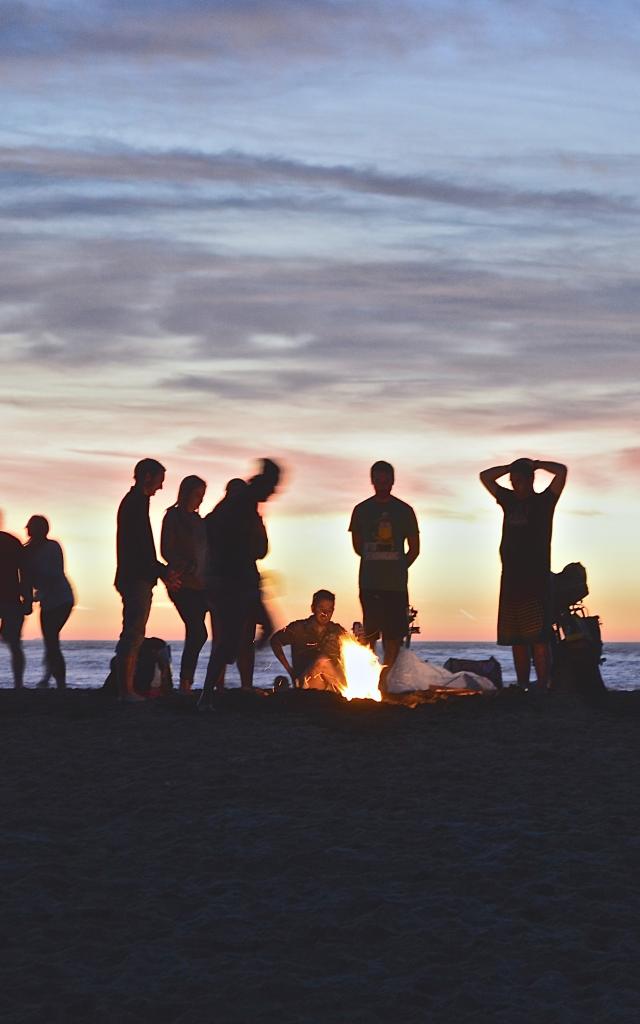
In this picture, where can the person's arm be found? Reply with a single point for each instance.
(489, 478)
(277, 642)
(26, 582)
(559, 473)
(260, 539)
(168, 538)
(356, 540)
(413, 544)
(413, 538)
(171, 573)
(356, 533)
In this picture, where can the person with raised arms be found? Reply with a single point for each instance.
(524, 609)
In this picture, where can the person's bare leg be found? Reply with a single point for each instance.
(214, 679)
(390, 651)
(126, 675)
(542, 662)
(325, 675)
(522, 663)
(17, 664)
(246, 664)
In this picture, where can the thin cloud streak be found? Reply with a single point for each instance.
(266, 30)
(42, 166)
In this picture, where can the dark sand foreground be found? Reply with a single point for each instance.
(297, 859)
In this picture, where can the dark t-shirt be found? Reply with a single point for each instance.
(306, 645)
(236, 539)
(384, 527)
(135, 546)
(12, 570)
(525, 548)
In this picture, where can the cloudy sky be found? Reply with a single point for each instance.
(328, 232)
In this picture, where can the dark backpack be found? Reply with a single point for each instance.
(153, 670)
(490, 668)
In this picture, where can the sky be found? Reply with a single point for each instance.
(327, 232)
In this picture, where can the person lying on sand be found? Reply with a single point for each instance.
(315, 646)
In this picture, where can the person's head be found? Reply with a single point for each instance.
(266, 482)
(190, 493)
(235, 486)
(521, 474)
(38, 529)
(382, 478)
(149, 476)
(323, 604)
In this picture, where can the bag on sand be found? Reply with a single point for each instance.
(408, 674)
(576, 657)
(490, 668)
(153, 670)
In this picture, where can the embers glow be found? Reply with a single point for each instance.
(362, 671)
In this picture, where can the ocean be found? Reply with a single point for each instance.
(88, 662)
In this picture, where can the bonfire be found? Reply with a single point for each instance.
(361, 671)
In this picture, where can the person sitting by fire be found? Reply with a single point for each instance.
(315, 646)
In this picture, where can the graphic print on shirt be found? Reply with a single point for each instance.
(382, 547)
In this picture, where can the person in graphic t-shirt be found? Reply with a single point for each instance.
(524, 611)
(384, 532)
(315, 646)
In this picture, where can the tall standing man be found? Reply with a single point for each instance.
(524, 612)
(137, 570)
(15, 600)
(385, 534)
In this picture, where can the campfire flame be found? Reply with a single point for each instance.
(361, 669)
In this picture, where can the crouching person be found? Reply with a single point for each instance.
(315, 647)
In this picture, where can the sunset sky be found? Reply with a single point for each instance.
(326, 232)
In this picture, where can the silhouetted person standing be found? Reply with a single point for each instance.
(237, 538)
(183, 543)
(385, 534)
(524, 613)
(137, 570)
(53, 590)
(15, 600)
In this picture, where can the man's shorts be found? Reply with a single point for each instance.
(384, 612)
(136, 608)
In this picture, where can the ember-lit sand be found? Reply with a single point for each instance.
(299, 859)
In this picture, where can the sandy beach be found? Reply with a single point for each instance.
(298, 859)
